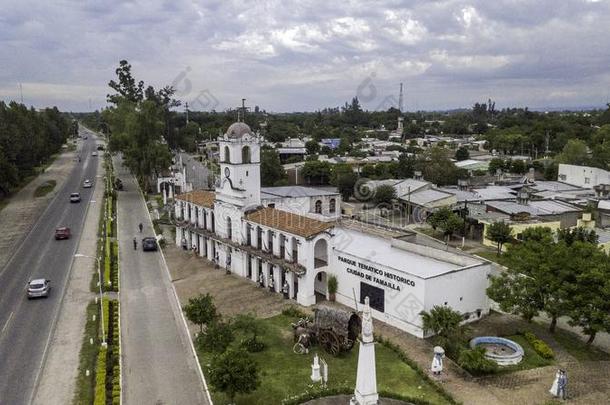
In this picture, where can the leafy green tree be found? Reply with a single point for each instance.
(126, 88)
(580, 234)
(587, 271)
(312, 147)
(384, 194)
(446, 324)
(500, 233)
(345, 184)
(316, 172)
(272, 171)
(234, 372)
(217, 337)
(462, 153)
(445, 220)
(518, 166)
(574, 153)
(437, 168)
(368, 171)
(201, 310)
(248, 324)
(494, 165)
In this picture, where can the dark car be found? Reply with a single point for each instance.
(74, 197)
(149, 244)
(62, 233)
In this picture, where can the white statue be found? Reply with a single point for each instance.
(315, 369)
(437, 361)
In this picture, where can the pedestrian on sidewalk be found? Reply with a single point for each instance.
(285, 289)
(216, 261)
(271, 285)
(228, 270)
(183, 242)
(261, 280)
(140, 226)
(135, 243)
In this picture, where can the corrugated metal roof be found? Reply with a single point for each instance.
(424, 197)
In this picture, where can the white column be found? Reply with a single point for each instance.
(201, 245)
(209, 249)
(171, 190)
(266, 274)
(290, 279)
(365, 392)
(254, 265)
(178, 209)
(277, 277)
(276, 244)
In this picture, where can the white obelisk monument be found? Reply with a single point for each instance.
(366, 378)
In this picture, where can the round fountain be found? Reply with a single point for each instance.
(503, 351)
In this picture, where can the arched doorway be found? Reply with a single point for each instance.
(320, 253)
(320, 287)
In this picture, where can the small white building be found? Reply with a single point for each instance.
(293, 238)
(583, 176)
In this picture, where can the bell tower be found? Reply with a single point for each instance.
(240, 181)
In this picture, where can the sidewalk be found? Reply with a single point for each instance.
(159, 366)
(59, 374)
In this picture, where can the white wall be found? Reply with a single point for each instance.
(464, 290)
(577, 175)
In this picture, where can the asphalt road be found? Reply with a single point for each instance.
(158, 363)
(26, 326)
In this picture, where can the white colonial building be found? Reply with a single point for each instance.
(293, 238)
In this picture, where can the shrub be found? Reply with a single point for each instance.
(293, 312)
(332, 284)
(100, 378)
(253, 345)
(217, 337)
(475, 362)
(539, 346)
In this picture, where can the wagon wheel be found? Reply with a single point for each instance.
(329, 341)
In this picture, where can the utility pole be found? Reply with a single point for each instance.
(186, 107)
(400, 100)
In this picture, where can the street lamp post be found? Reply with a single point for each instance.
(99, 274)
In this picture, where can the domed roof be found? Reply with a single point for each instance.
(238, 129)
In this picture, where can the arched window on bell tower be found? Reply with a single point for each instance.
(227, 157)
(245, 154)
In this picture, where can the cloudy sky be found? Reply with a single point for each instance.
(306, 55)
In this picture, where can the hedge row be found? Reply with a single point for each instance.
(539, 346)
(100, 378)
(113, 382)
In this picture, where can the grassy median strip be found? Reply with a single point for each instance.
(88, 357)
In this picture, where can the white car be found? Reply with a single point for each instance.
(87, 183)
(39, 287)
(93, 153)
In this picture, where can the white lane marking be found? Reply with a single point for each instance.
(7, 322)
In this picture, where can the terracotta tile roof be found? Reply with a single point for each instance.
(289, 222)
(199, 197)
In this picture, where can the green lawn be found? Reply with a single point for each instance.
(577, 348)
(492, 256)
(45, 188)
(285, 374)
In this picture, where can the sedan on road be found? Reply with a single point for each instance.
(62, 233)
(149, 244)
(74, 197)
(87, 183)
(39, 287)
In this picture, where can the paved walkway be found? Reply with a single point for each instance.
(57, 388)
(159, 367)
